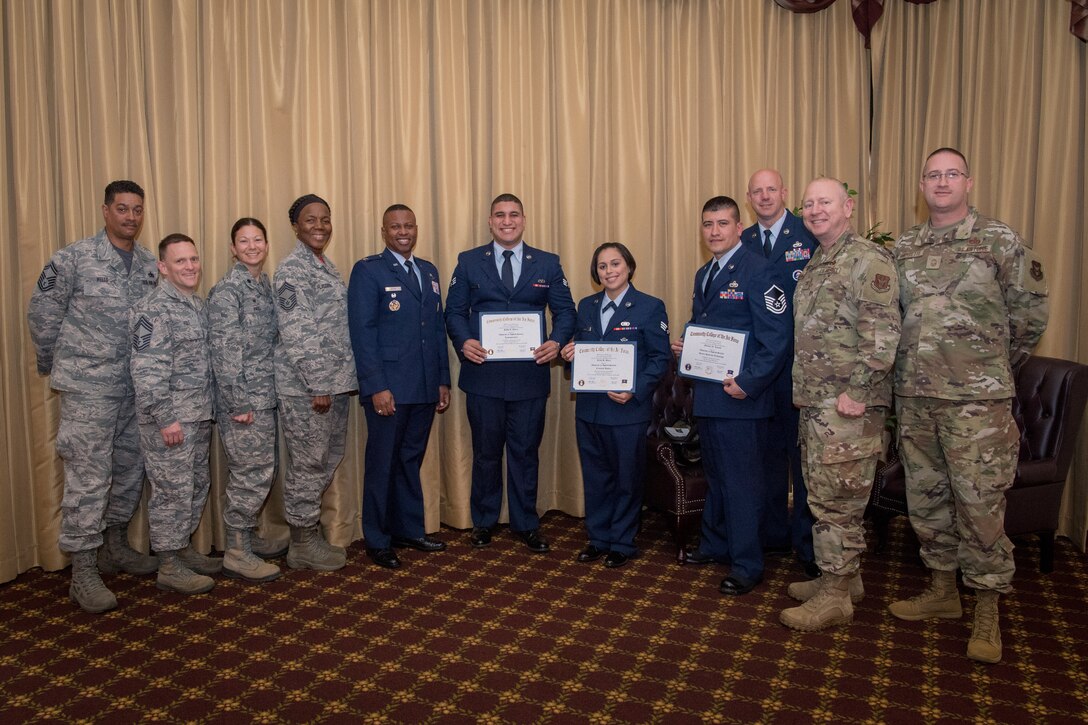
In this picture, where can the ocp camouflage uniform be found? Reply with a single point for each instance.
(846, 325)
(78, 319)
(242, 336)
(974, 300)
(313, 357)
(171, 370)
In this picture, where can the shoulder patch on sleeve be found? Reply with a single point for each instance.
(664, 326)
(47, 280)
(141, 334)
(1032, 276)
(287, 297)
(775, 298)
(877, 283)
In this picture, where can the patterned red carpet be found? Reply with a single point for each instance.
(502, 635)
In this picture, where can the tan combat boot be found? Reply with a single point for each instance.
(985, 642)
(174, 576)
(829, 606)
(309, 550)
(940, 601)
(87, 589)
(240, 563)
(804, 590)
(193, 559)
(116, 556)
(267, 548)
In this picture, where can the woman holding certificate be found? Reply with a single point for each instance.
(619, 353)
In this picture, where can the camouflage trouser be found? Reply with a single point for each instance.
(315, 447)
(99, 442)
(839, 456)
(180, 480)
(960, 458)
(251, 457)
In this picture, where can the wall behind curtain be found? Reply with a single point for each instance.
(612, 120)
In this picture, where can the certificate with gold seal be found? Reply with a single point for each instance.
(712, 353)
(602, 367)
(511, 335)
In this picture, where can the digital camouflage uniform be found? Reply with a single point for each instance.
(846, 329)
(974, 303)
(242, 323)
(313, 357)
(78, 319)
(171, 370)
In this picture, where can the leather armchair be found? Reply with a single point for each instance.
(675, 487)
(1048, 408)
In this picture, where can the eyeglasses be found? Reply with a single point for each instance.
(952, 175)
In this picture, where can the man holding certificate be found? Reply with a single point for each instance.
(495, 318)
(735, 346)
(619, 353)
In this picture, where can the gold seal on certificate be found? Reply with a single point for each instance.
(511, 335)
(712, 353)
(602, 367)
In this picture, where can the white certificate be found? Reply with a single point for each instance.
(600, 367)
(511, 335)
(712, 353)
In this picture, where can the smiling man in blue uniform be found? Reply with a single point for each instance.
(506, 399)
(785, 242)
(737, 290)
(399, 342)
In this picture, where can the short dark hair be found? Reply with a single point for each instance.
(624, 252)
(949, 150)
(121, 186)
(717, 203)
(175, 238)
(393, 208)
(247, 221)
(507, 197)
(302, 202)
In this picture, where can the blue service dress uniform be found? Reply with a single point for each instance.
(747, 295)
(792, 250)
(505, 400)
(611, 435)
(399, 342)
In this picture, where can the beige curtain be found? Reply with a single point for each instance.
(1005, 82)
(611, 119)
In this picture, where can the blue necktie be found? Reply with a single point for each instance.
(508, 271)
(710, 279)
(412, 277)
(767, 243)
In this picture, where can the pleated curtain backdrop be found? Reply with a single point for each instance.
(613, 120)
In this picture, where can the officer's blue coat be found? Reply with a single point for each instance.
(397, 334)
(476, 287)
(792, 250)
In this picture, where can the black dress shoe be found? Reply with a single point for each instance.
(384, 557)
(698, 557)
(735, 586)
(480, 537)
(811, 570)
(534, 541)
(590, 553)
(423, 543)
(785, 550)
(615, 560)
